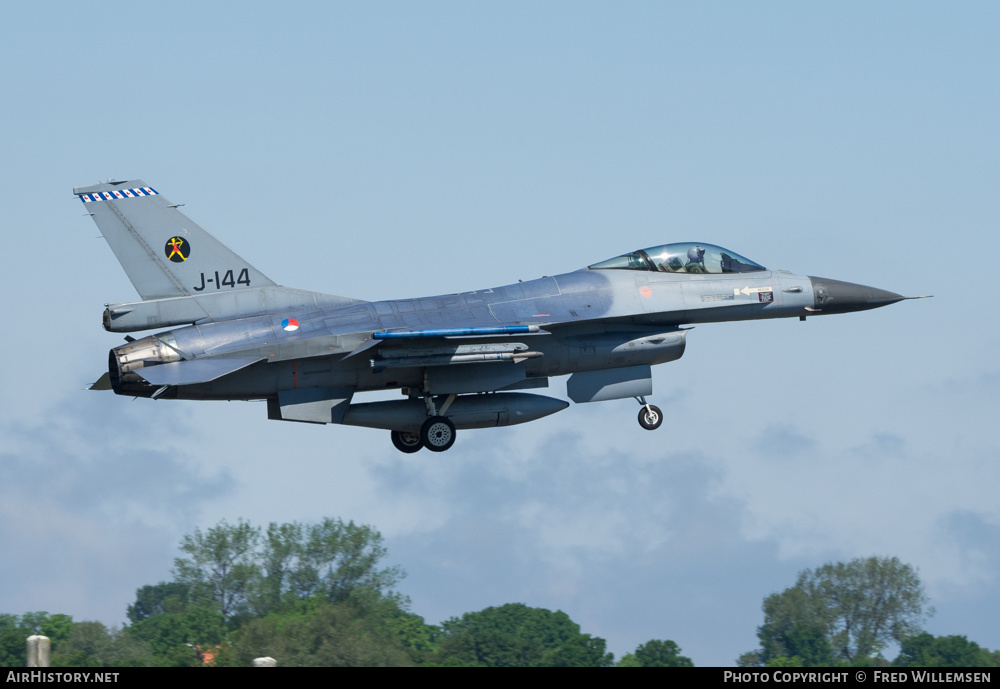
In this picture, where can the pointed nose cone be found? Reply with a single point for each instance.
(834, 296)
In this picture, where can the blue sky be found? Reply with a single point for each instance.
(383, 150)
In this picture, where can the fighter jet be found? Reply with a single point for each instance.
(461, 360)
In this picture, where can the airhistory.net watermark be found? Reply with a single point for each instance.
(60, 677)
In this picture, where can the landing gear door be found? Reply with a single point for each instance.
(610, 384)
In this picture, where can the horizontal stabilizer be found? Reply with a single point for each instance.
(102, 383)
(194, 371)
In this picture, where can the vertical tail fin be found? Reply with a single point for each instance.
(164, 252)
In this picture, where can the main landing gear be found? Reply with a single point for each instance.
(406, 441)
(437, 433)
(650, 416)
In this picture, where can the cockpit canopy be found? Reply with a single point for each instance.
(682, 257)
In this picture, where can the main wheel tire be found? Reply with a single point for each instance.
(406, 441)
(650, 417)
(437, 434)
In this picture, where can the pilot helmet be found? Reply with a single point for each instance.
(696, 254)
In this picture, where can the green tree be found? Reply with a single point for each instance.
(316, 633)
(13, 638)
(174, 638)
(14, 633)
(91, 644)
(245, 575)
(515, 635)
(785, 661)
(232, 574)
(925, 650)
(337, 558)
(273, 586)
(220, 564)
(656, 653)
(158, 599)
(801, 640)
(57, 627)
(842, 612)
(421, 640)
(88, 645)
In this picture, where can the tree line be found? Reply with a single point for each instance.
(321, 595)
(307, 595)
(847, 614)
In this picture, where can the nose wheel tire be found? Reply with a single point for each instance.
(437, 434)
(650, 417)
(406, 441)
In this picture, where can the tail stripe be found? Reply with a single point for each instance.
(123, 194)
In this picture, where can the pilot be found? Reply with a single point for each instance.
(696, 260)
(672, 265)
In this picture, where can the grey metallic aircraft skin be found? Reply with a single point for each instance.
(234, 334)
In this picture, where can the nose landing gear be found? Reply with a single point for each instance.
(650, 416)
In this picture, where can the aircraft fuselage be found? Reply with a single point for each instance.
(462, 360)
(607, 319)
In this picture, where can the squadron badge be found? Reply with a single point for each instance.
(177, 249)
